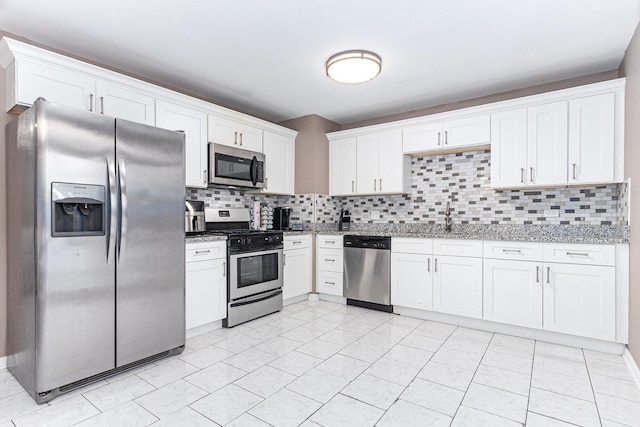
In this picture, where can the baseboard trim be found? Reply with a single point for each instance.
(314, 297)
(631, 364)
(203, 329)
(333, 298)
(3, 362)
(294, 300)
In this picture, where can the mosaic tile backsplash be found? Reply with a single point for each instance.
(462, 179)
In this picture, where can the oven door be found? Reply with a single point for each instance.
(254, 272)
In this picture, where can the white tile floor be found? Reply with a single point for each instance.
(318, 363)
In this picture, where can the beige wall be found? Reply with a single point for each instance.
(312, 153)
(631, 69)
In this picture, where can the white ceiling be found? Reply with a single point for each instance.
(267, 57)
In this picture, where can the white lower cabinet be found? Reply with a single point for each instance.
(329, 268)
(457, 285)
(512, 292)
(580, 300)
(205, 283)
(297, 266)
(411, 281)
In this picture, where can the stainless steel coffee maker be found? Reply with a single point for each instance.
(194, 216)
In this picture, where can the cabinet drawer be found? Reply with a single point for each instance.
(523, 251)
(580, 254)
(329, 259)
(329, 282)
(297, 242)
(410, 245)
(329, 241)
(455, 247)
(205, 251)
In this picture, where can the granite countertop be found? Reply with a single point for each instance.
(602, 234)
(203, 239)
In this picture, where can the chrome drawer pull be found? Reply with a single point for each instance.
(329, 260)
(577, 253)
(333, 242)
(512, 251)
(203, 252)
(329, 283)
(297, 242)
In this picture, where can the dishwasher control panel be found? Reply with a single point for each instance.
(367, 242)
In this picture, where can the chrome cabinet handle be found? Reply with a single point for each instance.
(235, 138)
(284, 259)
(374, 185)
(435, 265)
(578, 253)
(537, 274)
(531, 169)
(241, 139)
(329, 283)
(438, 138)
(329, 260)
(224, 269)
(574, 171)
(113, 202)
(428, 265)
(522, 175)
(204, 176)
(266, 180)
(122, 172)
(548, 274)
(511, 251)
(353, 189)
(91, 102)
(203, 252)
(380, 184)
(330, 241)
(297, 242)
(446, 137)
(102, 105)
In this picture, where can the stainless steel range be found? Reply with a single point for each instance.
(254, 265)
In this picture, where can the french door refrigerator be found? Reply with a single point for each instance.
(96, 253)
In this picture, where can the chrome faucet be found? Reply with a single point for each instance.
(447, 218)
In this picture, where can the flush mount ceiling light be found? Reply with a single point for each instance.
(354, 66)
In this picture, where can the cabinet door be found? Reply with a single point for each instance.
(205, 293)
(297, 273)
(457, 285)
(547, 141)
(468, 131)
(513, 292)
(36, 80)
(342, 167)
(580, 300)
(280, 164)
(508, 148)
(391, 163)
(367, 164)
(411, 283)
(592, 139)
(421, 138)
(222, 131)
(194, 124)
(250, 138)
(125, 104)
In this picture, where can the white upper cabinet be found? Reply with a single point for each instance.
(280, 163)
(508, 148)
(342, 167)
(33, 80)
(450, 134)
(234, 133)
(124, 103)
(547, 144)
(592, 139)
(380, 166)
(194, 124)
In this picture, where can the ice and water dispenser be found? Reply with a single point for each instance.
(77, 210)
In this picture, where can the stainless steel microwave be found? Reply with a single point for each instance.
(235, 167)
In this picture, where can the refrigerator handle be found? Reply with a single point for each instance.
(113, 204)
(122, 241)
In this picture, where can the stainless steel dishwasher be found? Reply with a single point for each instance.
(367, 272)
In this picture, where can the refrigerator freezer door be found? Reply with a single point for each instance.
(75, 286)
(150, 253)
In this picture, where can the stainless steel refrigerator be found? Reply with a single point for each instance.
(96, 252)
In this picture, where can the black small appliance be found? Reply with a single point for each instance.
(345, 220)
(282, 218)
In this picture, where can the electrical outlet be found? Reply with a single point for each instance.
(375, 215)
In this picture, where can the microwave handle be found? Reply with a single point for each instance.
(253, 173)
